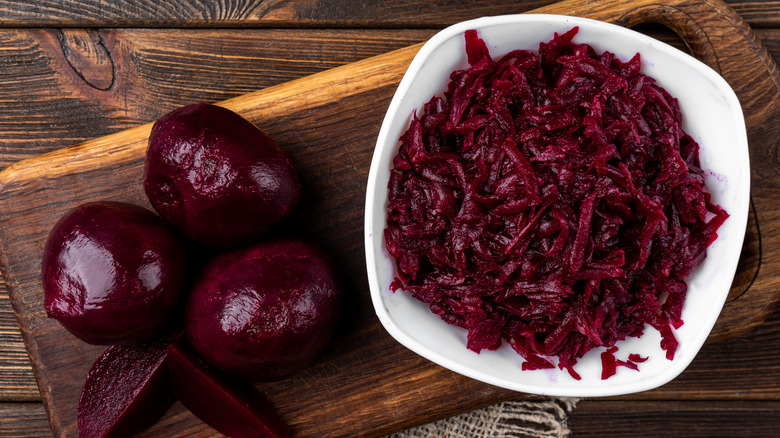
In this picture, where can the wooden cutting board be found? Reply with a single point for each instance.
(366, 383)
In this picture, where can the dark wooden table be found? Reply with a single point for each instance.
(75, 70)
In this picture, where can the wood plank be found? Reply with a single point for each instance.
(26, 420)
(592, 417)
(346, 250)
(216, 13)
(17, 380)
(761, 14)
(296, 13)
(48, 103)
(597, 418)
(770, 39)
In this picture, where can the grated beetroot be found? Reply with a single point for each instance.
(551, 200)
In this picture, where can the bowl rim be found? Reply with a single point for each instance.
(372, 236)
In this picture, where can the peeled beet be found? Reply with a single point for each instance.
(264, 312)
(218, 178)
(113, 273)
(231, 407)
(126, 391)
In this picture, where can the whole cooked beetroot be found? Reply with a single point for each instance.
(264, 312)
(113, 273)
(218, 178)
(127, 389)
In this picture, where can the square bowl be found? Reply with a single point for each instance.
(712, 116)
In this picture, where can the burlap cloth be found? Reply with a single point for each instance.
(513, 419)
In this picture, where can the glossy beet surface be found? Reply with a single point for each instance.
(112, 273)
(230, 406)
(264, 312)
(218, 178)
(126, 391)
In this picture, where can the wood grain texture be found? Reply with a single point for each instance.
(26, 420)
(291, 13)
(596, 418)
(50, 100)
(274, 13)
(361, 344)
(770, 39)
(17, 379)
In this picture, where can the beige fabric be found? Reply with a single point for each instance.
(513, 419)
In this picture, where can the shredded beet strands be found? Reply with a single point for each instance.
(550, 200)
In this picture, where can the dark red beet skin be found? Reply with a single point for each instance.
(264, 312)
(216, 177)
(113, 273)
(126, 391)
(231, 407)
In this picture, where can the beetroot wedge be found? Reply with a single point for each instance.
(230, 406)
(127, 389)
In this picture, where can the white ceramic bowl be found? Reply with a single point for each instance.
(712, 116)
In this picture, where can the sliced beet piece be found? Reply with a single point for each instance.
(229, 405)
(127, 389)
